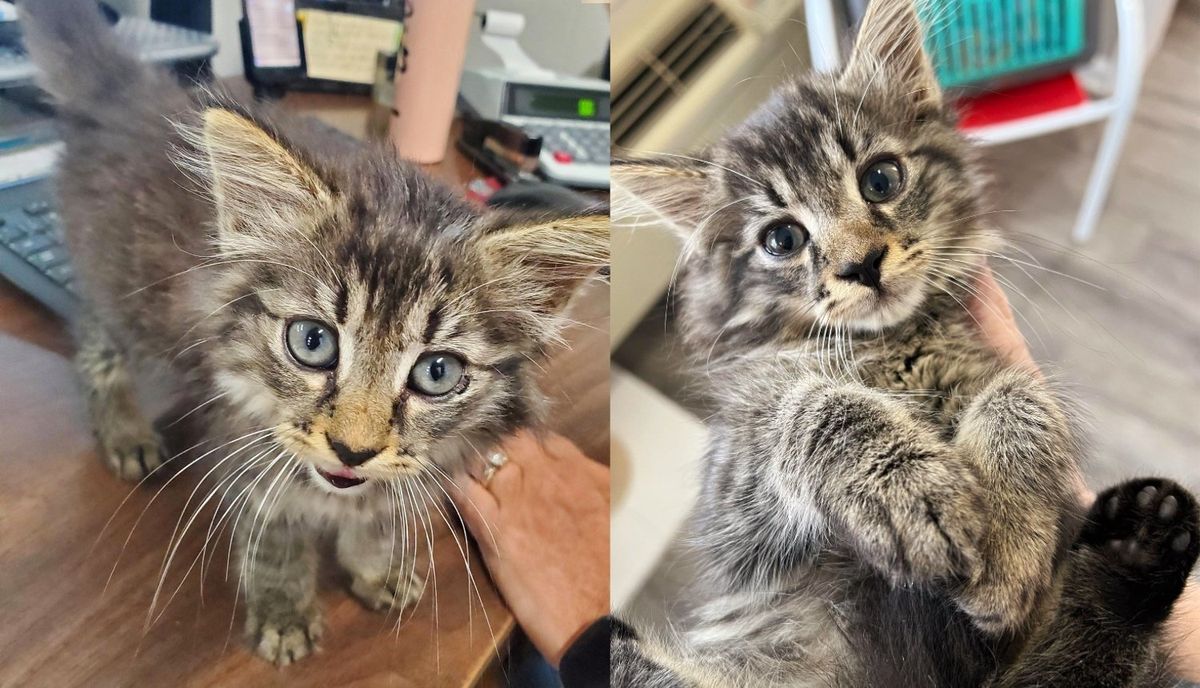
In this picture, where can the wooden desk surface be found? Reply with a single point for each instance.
(63, 626)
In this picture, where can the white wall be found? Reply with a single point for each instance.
(565, 35)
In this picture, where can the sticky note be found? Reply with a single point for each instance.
(343, 47)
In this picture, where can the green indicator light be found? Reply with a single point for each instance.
(587, 107)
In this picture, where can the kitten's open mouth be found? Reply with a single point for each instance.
(341, 478)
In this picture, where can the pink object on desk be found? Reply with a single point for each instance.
(427, 73)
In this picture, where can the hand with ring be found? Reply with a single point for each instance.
(539, 511)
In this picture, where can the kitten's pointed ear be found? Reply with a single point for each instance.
(665, 189)
(258, 184)
(891, 38)
(539, 264)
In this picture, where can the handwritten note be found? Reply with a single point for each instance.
(273, 33)
(342, 47)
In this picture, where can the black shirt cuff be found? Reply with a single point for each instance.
(586, 663)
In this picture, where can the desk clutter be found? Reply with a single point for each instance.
(522, 123)
(409, 55)
(318, 45)
(569, 115)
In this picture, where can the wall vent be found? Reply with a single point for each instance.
(666, 69)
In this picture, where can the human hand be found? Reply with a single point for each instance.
(990, 308)
(542, 525)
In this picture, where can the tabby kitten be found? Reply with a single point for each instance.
(885, 501)
(347, 328)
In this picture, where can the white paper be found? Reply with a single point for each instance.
(343, 47)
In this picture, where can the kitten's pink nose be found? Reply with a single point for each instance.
(868, 271)
(352, 457)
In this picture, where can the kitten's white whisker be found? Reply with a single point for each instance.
(218, 309)
(217, 525)
(227, 481)
(199, 406)
(191, 346)
(256, 434)
(177, 535)
(462, 551)
(250, 563)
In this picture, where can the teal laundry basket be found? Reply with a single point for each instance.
(980, 45)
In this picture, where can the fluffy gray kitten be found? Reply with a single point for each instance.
(348, 329)
(885, 500)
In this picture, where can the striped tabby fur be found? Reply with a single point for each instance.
(200, 228)
(885, 501)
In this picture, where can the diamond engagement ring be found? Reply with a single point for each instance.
(494, 462)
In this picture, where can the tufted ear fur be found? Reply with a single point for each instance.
(891, 48)
(539, 264)
(664, 189)
(260, 187)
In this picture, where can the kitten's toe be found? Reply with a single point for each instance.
(1149, 531)
(283, 636)
(941, 536)
(132, 453)
(396, 593)
(1000, 601)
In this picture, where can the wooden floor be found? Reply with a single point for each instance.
(1129, 346)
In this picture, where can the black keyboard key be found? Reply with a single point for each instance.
(32, 244)
(37, 207)
(44, 260)
(37, 225)
(61, 273)
(10, 233)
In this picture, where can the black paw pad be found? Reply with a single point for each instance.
(1147, 533)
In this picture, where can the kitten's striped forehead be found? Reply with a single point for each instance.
(797, 148)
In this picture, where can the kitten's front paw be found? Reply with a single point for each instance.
(1149, 531)
(918, 518)
(282, 634)
(998, 600)
(131, 449)
(395, 593)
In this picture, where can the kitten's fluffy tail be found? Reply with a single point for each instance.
(79, 60)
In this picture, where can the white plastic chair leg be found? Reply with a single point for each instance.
(824, 46)
(1128, 83)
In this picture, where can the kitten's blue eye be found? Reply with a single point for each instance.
(436, 374)
(881, 181)
(784, 239)
(312, 344)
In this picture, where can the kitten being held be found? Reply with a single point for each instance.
(347, 329)
(885, 500)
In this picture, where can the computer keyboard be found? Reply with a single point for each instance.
(32, 254)
(151, 41)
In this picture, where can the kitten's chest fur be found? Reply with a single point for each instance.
(937, 361)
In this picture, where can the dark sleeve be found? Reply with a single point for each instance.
(585, 663)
